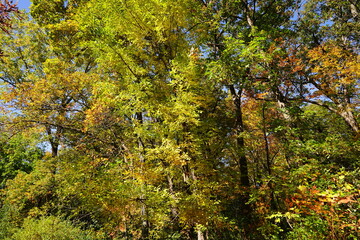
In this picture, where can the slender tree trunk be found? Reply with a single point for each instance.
(145, 222)
(173, 208)
(239, 129)
(200, 235)
(267, 149)
(54, 140)
(244, 209)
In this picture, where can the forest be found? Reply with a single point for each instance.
(180, 119)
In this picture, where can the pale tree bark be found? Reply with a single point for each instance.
(349, 118)
(200, 235)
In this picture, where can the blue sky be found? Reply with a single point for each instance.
(23, 4)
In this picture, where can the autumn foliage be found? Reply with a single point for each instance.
(180, 119)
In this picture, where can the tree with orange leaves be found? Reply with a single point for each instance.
(6, 7)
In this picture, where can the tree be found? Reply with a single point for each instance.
(17, 155)
(6, 8)
(48, 93)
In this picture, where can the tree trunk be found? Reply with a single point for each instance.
(200, 235)
(349, 118)
(145, 222)
(240, 142)
(173, 208)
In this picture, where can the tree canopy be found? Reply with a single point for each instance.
(182, 119)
